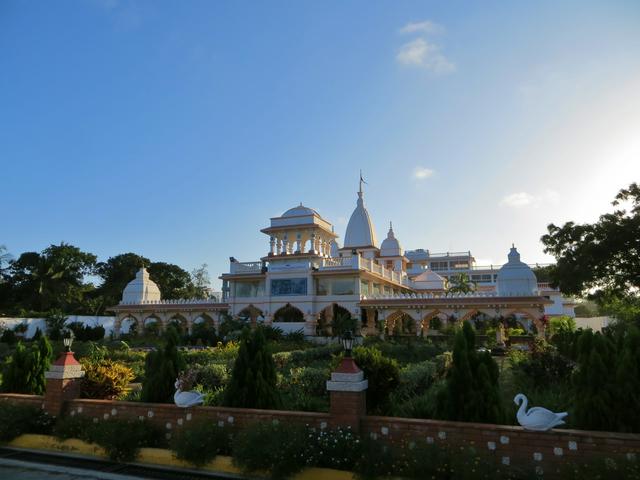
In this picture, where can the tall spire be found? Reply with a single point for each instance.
(360, 232)
(361, 182)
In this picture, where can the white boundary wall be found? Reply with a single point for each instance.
(35, 323)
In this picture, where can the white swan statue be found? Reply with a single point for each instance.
(187, 399)
(537, 418)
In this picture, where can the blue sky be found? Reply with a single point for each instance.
(176, 130)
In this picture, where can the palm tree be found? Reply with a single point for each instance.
(461, 283)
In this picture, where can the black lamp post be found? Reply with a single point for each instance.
(347, 343)
(68, 340)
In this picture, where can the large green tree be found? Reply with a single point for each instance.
(51, 279)
(600, 260)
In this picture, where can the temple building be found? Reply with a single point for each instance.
(306, 279)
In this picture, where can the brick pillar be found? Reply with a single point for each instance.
(348, 392)
(63, 383)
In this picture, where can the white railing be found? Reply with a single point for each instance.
(357, 262)
(178, 301)
(245, 267)
(336, 262)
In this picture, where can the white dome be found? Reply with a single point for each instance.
(390, 246)
(141, 289)
(429, 280)
(360, 232)
(516, 278)
(298, 211)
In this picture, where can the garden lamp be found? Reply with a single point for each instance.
(347, 342)
(68, 340)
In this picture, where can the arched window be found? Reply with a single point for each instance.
(288, 313)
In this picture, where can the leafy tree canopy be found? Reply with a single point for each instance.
(53, 278)
(600, 260)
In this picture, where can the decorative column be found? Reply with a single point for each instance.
(272, 246)
(347, 395)
(298, 243)
(312, 243)
(63, 383)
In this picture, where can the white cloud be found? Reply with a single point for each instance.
(524, 199)
(421, 53)
(420, 173)
(427, 27)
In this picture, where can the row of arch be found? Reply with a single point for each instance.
(404, 321)
(154, 323)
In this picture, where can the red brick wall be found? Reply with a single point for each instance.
(171, 418)
(546, 450)
(34, 400)
(508, 444)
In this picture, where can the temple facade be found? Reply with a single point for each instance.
(306, 280)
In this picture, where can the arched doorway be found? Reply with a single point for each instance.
(128, 326)
(152, 326)
(334, 320)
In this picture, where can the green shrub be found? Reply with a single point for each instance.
(377, 460)
(122, 439)
(406, 351)
(253, 380)
(105, 379)
(211, 376)
(294, 337)
(472, 393)
(9, 337)
(424, 405)
(543, 366)
(280, 449)
(85, 333)
(304, 388)
(415, 379)
(382, 373)
(24, 371)
(16, 419)
(76, 426)
(161, 370)
(600, 469)
(201, 442)
(340, 449)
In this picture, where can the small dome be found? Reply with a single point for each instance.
(298, 211)
(429, 280)
(141, 289)
(516, 278)
(390, 246)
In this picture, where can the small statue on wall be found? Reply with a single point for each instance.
(537, 418)
(183, 397)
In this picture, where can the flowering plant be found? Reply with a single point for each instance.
(186, 380)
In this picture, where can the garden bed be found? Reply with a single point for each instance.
(155, 456)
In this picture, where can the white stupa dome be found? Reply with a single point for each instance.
(360, 232)
(516, 278)
(298, 211)
(390, 246)
(141, 289)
